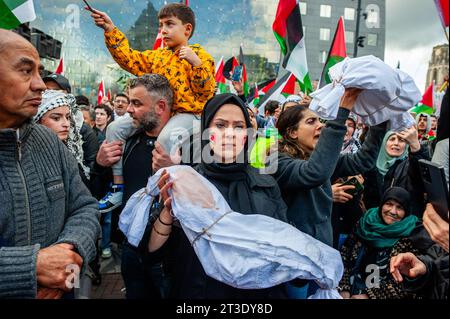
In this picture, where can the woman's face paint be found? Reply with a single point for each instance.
(228, 133)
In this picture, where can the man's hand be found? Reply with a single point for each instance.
(339, 194)
(436, 227)
(345, 294)
(102, 20)
(363, 296)
(109, 153)
(411, 136)
(238, 85)
(51, 265)
(406, 264)
(49, 293)
(306, 101)
(187, 54)
(360, 178)
(161, 159)
(349, 98)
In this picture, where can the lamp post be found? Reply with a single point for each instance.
(358, 20)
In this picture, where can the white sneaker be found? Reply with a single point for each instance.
(112, 200)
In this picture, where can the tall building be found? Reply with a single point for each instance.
(320, 18)
(438, 66)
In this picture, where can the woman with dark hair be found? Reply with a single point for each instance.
(225, 121)
(310, 159)
(57, 112)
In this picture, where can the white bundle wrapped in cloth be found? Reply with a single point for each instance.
(387, 93)
(243, 251)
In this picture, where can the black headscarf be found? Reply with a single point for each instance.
(232, 180)
(400, 195)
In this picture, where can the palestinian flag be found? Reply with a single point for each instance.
(338, 52)
(255, 100)
(284, 87)
(426, 105)
(244, 72)
(265, 89)
(288, 31)
(259, 94)
(431, 135)
(222, 86)
(15, 12)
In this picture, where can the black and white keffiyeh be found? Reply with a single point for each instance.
(52, 99)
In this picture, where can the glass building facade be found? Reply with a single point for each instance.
(222, 26)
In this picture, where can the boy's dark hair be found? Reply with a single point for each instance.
(271, 107)
(180, 11)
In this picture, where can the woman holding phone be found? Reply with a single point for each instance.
(309, 160)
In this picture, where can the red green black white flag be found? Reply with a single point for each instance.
(288, 30)
(338, 52)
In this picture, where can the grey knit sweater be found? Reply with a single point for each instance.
(42, 202)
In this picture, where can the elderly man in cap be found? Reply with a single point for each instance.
(48, 219)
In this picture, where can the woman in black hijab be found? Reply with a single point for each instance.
(225, 124)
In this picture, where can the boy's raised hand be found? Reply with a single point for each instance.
(187, 54)
(102, 20)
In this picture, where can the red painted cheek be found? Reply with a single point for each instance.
(212, 138)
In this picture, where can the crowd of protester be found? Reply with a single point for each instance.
(352, 187)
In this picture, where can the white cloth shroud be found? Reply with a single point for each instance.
(243, 251)
(387, 93)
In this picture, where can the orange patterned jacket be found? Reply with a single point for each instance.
(192, 86)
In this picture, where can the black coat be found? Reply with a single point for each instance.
(405, 174)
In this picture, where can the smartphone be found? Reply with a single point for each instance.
(89, 6)
(358, 186)
(435, 183)
(237, 73)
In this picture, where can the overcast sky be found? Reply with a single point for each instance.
(413, 28)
